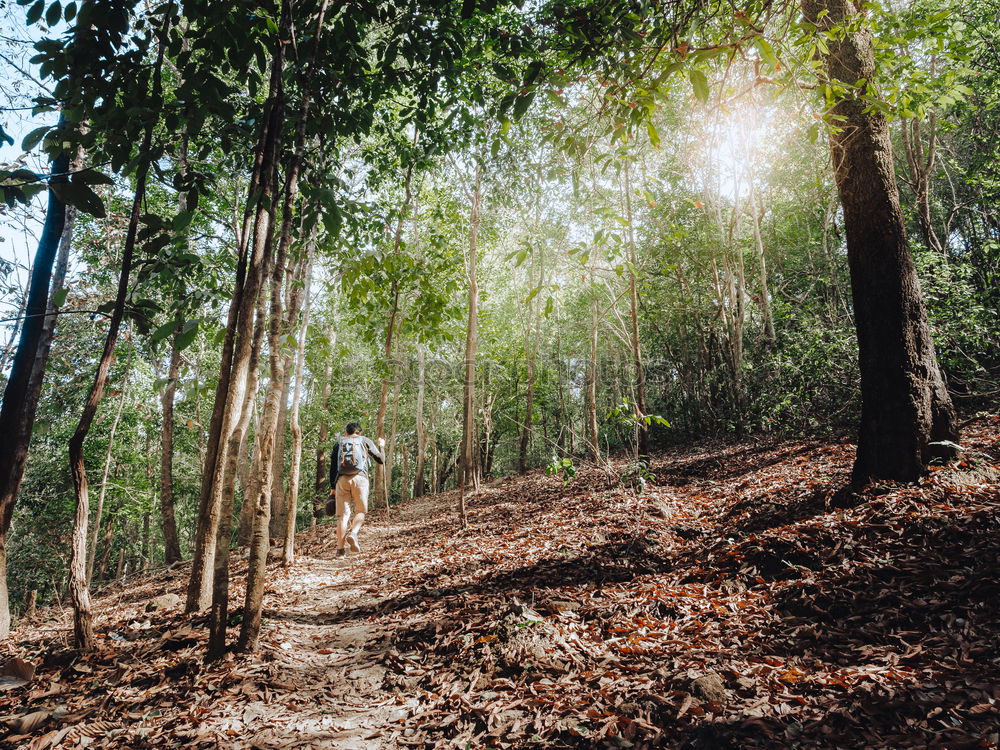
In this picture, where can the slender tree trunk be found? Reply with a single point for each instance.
(168, 520)
(291, 511)
(98, 513)
(592, 431)
(390, 332)
(421, 458)
(276, 525)
(236, 349)
(920, 163)
(640, 370)
(531, 352)
(397, 382)
(83, 629)
(765, 292)
(467, 459)
(905, 406)
(171, 543)
(322, 479)
(259, 544)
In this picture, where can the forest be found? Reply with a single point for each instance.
(594, 272)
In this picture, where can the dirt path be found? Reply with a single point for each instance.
(325, 650)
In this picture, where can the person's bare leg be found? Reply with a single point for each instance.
(359, 519)
(359, 499)
(345, 517)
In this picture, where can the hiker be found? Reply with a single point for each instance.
(349, 482)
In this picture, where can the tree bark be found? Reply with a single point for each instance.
(905, 406)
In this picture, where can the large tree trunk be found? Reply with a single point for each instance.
(905, 406)
(20, 402)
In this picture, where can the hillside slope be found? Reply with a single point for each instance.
(740, 602)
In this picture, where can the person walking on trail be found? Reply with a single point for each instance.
(349, 464)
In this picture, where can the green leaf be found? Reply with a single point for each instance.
(33, 138)
(187, 335)
(766, 51)
(521, 104)
(79, 195)
(35, 12)
(59, 298)
(163, 331)
(91, 177)
(182, 221)
(700, 82)
(54, 14)
(654, 136)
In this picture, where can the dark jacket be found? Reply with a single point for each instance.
(373, 452)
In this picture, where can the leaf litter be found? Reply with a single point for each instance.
(743, 600)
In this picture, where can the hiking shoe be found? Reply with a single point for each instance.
(352, 542)
(341, 553)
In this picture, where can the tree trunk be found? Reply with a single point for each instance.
(252, 267)
(905, 406)
(259, 544)
(397, 382)
(98, 513)
(20, 402)
(380, 489)
(83, 630)
(642, 443)
(244, 356)
(920, 163)
(765, 292)
(171, 543)
(467, 458)
(276, 525)
(291, 511)
(421, 457)
(322, 448)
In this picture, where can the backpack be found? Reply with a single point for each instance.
(353, 455)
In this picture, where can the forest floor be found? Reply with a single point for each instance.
(743, 600)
